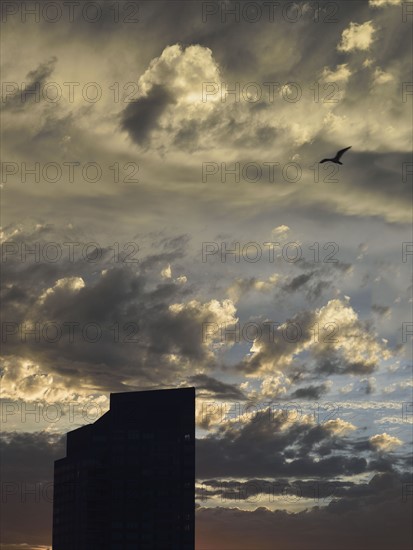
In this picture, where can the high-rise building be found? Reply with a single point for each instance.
(128, 480)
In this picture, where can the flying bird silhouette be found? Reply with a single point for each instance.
(338, 156)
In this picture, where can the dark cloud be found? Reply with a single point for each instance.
(171, 210)
(380, 310)
(298, 282)
(310, 392)
(141, 116)
(221, 390)
(281, 348)
(34, 82)
(379, 514)
(339, 265)
(261, 447)
(132, 297)
(230, 490)
(312, 282)
(321, 492)
(378, 169)
(27, 464)
(331, 362)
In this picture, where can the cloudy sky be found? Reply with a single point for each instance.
(166, 223)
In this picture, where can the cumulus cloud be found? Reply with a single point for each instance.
(275, 385)
(350, 347)
(339, 426)
(23, 379)
(152, 314)
(385, 442)
(171, 101)
(341, 73)
(176, 111)
(357, 37)
(64, 323)
(276, 442)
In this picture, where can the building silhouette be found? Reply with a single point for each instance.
(128, 480)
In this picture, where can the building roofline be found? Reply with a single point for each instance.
(189, 388)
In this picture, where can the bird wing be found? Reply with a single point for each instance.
(342, 151)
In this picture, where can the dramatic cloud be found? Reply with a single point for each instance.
(278, 443)
(378, 513)
(110, 328)
(357, 350)
(206, 134)
(172, 100)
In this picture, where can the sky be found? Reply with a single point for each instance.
(166, 223)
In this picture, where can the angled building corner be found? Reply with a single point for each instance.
(128, 480)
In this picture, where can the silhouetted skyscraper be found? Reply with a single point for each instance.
(128, 480)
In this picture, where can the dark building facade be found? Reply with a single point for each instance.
(128, 480)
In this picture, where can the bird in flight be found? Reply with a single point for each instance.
(338, 156)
